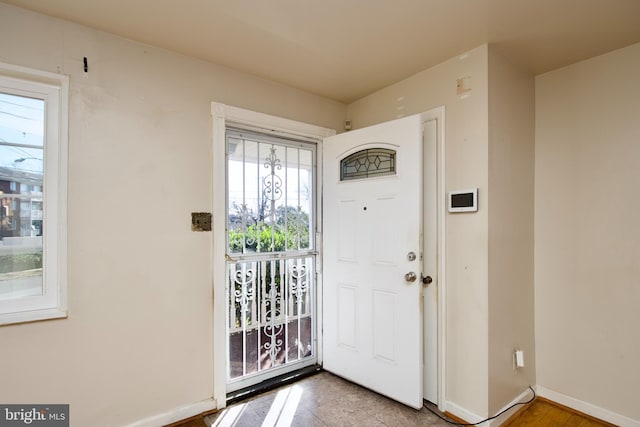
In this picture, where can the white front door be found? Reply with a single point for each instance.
(372, 313)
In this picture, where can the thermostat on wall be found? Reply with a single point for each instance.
(463, 200)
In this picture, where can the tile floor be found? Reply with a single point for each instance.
(322, 400)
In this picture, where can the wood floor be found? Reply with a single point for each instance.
(326, 400)
(543, 413)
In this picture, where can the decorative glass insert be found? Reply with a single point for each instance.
(368, 164)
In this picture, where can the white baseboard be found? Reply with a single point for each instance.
(462, 413)
(587, 408)
(525, 396)
(470, 417)
(176, 414)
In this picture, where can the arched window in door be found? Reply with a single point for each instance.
(368, 163)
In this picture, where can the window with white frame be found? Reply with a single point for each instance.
(33, 175)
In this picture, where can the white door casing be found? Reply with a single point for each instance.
(430, 257)
(372, 319)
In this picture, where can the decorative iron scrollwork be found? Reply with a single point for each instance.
(244, 295)
(298, 284)
(272, 329)
(272, 183)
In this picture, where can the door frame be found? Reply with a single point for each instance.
(434, 193)
(224, 115)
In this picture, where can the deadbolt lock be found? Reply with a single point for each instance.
(411, 256)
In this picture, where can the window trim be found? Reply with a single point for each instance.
(54, 90)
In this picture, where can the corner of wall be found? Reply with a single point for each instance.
(511, 229)
(587, 232)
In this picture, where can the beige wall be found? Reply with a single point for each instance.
(587, 255)
(138, 340)
(139, 328)
(489, 134)
(466, 130)
(511, 192)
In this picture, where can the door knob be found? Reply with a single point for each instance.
(410, 276)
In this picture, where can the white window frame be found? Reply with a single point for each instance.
(53, 89)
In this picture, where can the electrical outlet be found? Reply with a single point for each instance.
(200, 221)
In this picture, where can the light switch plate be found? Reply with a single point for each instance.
(200, 221)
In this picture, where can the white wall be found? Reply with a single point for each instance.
(587, 255)
(138, 340)
(466, 133)
(511, 210)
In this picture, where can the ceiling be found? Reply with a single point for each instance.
(346, 49)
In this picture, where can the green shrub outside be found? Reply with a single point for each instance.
(271, 235)
(267, 238)
(20, 262)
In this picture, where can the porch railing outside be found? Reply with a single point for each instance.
(270, 313)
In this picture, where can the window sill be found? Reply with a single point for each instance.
(32, 316)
